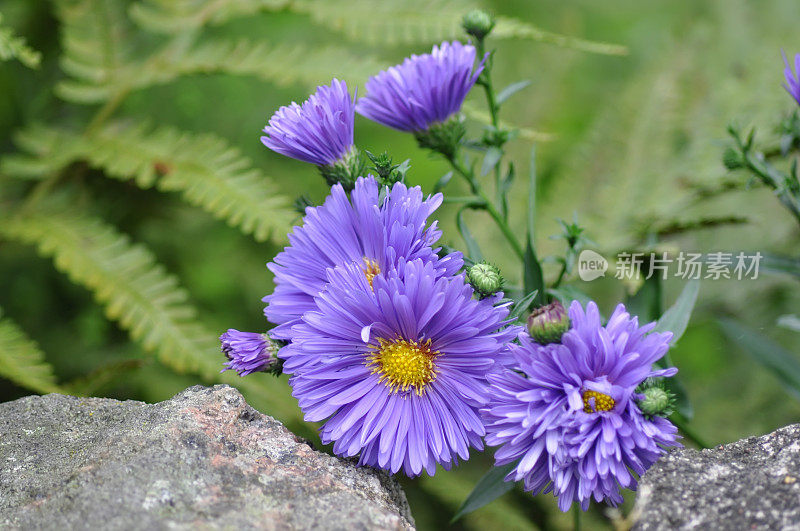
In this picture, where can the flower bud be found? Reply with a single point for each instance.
(657, 401)
(478, 23)
(250, 352)
(732, 159)
(443, 137)
(485, 278)
(548, 323)
(346, 170)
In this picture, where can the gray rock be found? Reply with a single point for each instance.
(750, 484)
(204, 459)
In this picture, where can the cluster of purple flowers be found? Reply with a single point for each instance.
(387, 342)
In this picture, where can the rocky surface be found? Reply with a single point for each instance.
(750, 484)
(204, 459)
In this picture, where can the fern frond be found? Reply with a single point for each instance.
(124, 277)
(389, 23)
(175, 16)
(13, 46)
(21, 360)
(516, 29)
(101, 377)
(412, 21)
(533, 135)
(206, 171)
(94, 51)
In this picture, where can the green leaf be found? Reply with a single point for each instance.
(676, 318)
(533, 279)
(21, 360)
(490, 487)
(521, 306)
(510, 90)
(15, 47)
(442, 182)
(124, 277)
(490, 159)
(473, 250)
(566, 294)
(648, 301)
(206, 171)
(532, 274)
(780, 264)
(783, 364)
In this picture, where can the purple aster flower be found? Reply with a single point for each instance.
(247, 352)
(423, 90)
(319, 131)
(377, 234)
(399, 367)
(569, 419)
(792, 84)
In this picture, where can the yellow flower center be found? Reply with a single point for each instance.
(601, 402)
(371, 268)
(402, 364)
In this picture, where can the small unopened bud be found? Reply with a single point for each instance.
(657, 401)
(346, 170)
(478, 23)
(443, 137)
(548, 323)
(732, 159)
(249, 352)
(485, 279)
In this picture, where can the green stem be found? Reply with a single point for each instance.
(469, 175)
(560, 275)
(772, 177)
(576, 517)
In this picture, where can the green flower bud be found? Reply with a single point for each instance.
(443, 137)
(732, 159)
(346, 170)
(657, 401)
(478, 23)
(548, 323)
(485, 279)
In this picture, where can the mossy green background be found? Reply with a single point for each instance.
(633, 135)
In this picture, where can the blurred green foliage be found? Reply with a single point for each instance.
(632, 143)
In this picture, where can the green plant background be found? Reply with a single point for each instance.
(623, 140)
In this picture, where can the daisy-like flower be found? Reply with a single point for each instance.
(320, 131)
(403, 366)
(423, 90)
(247, 352)
(376, 234)
(792, 84)
(570, 420)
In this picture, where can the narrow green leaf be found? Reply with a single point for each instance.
(780, 264)
(766, 352)
(647, 302)
(532, 194)
(473, 250)
(532, 275)
(676, 318)
(490, 487)
(442, 182)
(490, 160)
(510, 90)
(566, 294)
(521, 306)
